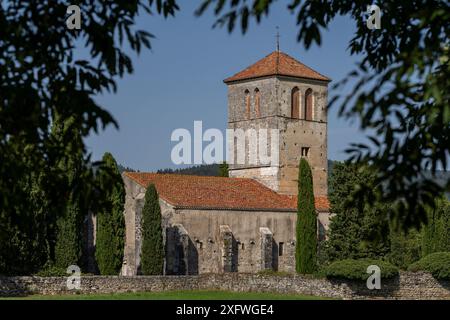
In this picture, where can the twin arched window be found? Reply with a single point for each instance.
(307, 105)
(257, 97)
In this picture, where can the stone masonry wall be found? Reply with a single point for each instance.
(237, 119)
(294, 134)
(407, 286)
(203, 227)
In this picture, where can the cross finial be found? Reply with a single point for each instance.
(278, 39)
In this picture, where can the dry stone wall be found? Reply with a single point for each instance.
(407, 286)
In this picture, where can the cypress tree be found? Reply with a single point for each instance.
(110, 220)
(223, 169)
(152, 254)
(306, 249)
(69, 236)
(436, 233)
(68, 246)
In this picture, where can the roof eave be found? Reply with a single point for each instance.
(232, 81)
(181, 207)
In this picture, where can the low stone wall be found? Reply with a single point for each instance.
(407, 286)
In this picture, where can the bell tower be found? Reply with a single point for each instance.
(282, 94)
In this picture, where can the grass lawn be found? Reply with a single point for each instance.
(175, 295)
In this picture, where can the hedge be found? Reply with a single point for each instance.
(438, 264)
(357, 269)
(52, 271)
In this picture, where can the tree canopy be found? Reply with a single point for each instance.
(354, 232)
(42, 78)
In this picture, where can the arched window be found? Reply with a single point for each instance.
(247, 104)
(257, 103)
(295, 103)
(308, 104)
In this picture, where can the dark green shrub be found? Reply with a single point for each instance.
(438, 264)
(52, 271)
(306, 232)
(357, 269)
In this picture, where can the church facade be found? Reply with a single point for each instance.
(247, 222)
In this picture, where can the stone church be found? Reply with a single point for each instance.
(247, 222)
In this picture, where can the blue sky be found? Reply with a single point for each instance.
(180, 80)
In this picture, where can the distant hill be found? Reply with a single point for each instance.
(200, 170)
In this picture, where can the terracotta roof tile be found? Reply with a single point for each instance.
(187, 191)
(277, 63)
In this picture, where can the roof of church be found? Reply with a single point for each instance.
(277, 64)
(205, 192)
